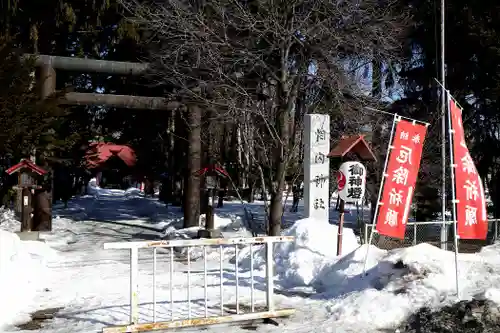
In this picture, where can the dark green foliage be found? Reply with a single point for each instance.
(472, 56)
(26, 122)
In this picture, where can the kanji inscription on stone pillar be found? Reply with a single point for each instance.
(316, 166)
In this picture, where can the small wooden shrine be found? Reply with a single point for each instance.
(27, 182)
(28, 174)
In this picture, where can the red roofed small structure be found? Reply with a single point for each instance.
(355, 144)
(99, 152)
(213, 168)
(34, 217)
(26, 164)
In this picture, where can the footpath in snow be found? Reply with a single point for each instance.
(89, 286)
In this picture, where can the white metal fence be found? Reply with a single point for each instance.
(217, 315)
(430, 232)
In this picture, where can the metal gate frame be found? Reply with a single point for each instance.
(133, 247)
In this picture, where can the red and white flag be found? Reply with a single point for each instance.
(400, 177)
(472, 220)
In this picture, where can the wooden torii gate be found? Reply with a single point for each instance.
(49, 64)
(47, 82)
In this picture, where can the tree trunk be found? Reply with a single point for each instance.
(264, 197)
(494, 190)
(251, 191)
(276, 209)
(169, 181)
(178, 159)
(192, 185)
(287, 96)
(235, 156)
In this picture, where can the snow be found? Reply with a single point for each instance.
(298, 263)
(493, 294)
(401, 281)
(8, 220)
(72, 270)
(22, 266)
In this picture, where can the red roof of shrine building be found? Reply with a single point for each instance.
(355, 144)
(99, 152)
(25, 163)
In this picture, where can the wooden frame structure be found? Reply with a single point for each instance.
(49, 64)
(47, 82)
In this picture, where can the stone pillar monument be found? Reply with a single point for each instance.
(316, 166)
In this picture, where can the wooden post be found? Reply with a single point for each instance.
(341, 226)
(47, 88)
(26, 224)
(47, 81)
(209, 222)
(212, 196)
(18, 207)
(209, 231)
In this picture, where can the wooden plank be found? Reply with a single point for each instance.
(120, 101)
(90, 65)
(199, 242)
(198, 322)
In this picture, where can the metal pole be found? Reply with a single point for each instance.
(454, 199)
(134, 286)
(442, 75)
(389, 147)
(269, 276)
(496, 230)
(340, 227)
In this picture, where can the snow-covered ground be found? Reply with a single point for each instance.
(72, 271)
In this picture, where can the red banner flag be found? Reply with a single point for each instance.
(400, 178)
(472, 220)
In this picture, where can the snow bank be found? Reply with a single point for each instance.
(8, 220)
(398, 282)
(402, 281)
(96, 190)
(227, 227)
(225, 224)
(195, 252)
(298, 263)
(21, 274)
(493, 294)
(6, 215)
(338, 274)
(92, 187)
(133, 192)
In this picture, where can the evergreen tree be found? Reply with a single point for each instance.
(472, 76)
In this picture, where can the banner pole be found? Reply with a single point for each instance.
(442, 74)
(453, 190)
(382, 182)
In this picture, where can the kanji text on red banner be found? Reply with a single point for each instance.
(400, 178)
(472, 222)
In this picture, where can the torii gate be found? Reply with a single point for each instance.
(47, 81)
